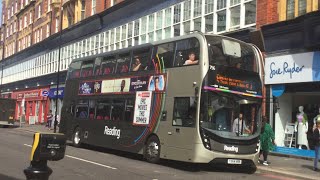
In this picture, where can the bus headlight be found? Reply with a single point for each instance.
(206, 141)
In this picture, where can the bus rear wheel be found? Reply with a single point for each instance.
(76, 138)
(152, 150)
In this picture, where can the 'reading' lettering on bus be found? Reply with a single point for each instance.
(112, 132)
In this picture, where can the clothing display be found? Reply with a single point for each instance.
(301, 126)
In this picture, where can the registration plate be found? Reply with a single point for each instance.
(234, 161)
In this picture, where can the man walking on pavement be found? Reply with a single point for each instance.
(49, 118)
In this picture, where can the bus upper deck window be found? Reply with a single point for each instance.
(87, 69)
(97, 66)
(187, 52)
(108, 65)
(74, 70)
(123, 63)
(140, 60)
(165, 53)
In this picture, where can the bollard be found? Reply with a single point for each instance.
(38, 170)
(46, 147)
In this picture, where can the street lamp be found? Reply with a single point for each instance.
(58, 74)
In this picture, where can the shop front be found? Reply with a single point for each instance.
(56, 99)
(32, 105)
(294, 81)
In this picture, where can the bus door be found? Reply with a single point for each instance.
(181, 111)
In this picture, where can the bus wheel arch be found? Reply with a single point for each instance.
(152, 148)
(76, 137)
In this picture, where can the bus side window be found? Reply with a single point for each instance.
(187, 52)
(108, 65)
(165, 53)
(74, 70)
(103, 110)
(87, 68)
(140, 60)
(92, 105)
(123, 63)
(183, 114)
(117, 110)
(82, 112)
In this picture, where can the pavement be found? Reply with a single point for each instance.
(291, 166)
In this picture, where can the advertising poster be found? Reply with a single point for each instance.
(107, 86)
(142, 108)
(139, 84)
(156, 83)
(86, 88)
(97, 87)
(121, 85)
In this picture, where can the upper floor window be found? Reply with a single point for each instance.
(39, 11)
(49, 5)
(93, 7)
(290, 9)
(83, 9)
(22, 4)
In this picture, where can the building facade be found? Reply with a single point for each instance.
(118, 27)
(292, 74)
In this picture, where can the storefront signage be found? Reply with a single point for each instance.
(124, 85)
(45, 93)
(293, 68)
(53, 93)
(31, 95)
(142, 108)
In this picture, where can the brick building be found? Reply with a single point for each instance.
(291, 31)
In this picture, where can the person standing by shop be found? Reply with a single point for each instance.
(266, 140)
(316, 138)
(49, 119)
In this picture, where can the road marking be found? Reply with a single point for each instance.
(91, 162)
(277, 177)
(84, 160)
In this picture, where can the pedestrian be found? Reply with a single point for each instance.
(266, 140)
(316, 138)
(49, 119)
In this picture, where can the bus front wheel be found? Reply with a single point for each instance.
(152, 150)
(76, 138)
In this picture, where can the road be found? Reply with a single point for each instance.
(95, 163)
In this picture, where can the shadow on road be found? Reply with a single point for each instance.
(183, 166)
(2, 176)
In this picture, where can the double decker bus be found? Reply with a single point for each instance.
(176, 99)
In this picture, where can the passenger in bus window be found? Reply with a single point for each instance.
(238, 65)
(137, 66)
(124, 68)
(192, 59)
(239, 125)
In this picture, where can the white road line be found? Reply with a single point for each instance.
(91, 162)
(84, 160)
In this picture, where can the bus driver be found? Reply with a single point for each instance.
(192, 59)
(239, 125)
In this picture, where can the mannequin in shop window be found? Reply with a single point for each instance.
(301, 126)
(315, 120)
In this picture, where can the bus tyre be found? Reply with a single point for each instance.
(152, 150)
(76, 138)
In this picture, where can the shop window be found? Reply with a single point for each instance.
(166, 55)
(118, 107)
(97, 66)
(74, 70)
(104, 110)
(87, 69)
(108, 65)
(184, 113)
(187, 52)
(140, 60)
(123, 63)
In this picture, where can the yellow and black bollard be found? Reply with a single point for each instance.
(45, 147)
